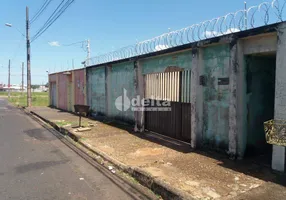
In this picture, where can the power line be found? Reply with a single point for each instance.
(44, 26)
(56, 14)
(66, 45)
(51, 21)
(40, 11)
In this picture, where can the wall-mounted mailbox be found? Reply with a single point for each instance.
(223, 81)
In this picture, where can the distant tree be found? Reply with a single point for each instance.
(35, 87)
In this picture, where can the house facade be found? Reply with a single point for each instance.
(220, 91)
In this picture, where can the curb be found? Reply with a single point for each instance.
(154, 184)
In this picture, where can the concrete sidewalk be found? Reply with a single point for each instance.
(202, 175)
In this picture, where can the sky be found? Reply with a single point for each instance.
(108, 24)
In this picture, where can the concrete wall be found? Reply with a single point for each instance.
(262, 45)
(62, 91)
(53, 90)
(121, 85)
(96, 89)
(160, 63)
(79, 87)
(278, 156)
(216, 61)
(219, 111)
(67, 89)
(53, 77)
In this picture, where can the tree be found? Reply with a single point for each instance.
(35, 87)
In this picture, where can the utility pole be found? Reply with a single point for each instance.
(9, 78)
(22, 78)
(88, 52)
(29, 103)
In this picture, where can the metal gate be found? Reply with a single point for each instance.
(174, 88)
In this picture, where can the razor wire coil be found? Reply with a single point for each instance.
(263, 14)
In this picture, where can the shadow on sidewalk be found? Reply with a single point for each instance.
(251, 166)
(171, 143)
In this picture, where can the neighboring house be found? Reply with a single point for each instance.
(41, 88)
(13, 87)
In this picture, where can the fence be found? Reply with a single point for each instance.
(255, 16)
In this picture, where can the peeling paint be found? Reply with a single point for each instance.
(161, 63)
(216, 97)
(96, 89)
(122, 77)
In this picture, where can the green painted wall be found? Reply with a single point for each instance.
(160, 63)
(260, 79)
(122, 79)
(96, 89)
(216, 61)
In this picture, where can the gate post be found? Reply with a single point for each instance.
(194, 86)
(278, 154)
(50, 92)
(139, 115)
(58, 90)
(73, 91)
(233, 64)
(241, 105)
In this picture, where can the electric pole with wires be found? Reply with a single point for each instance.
(29, 98)
(88, 52)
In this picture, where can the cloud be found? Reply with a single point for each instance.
(160, 47)
(54, 44)
(210, 34)
(231, 30)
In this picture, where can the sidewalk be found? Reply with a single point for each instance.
(202, 175)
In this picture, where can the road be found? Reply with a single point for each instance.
(34, 164)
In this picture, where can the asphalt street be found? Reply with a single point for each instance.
(34, 164)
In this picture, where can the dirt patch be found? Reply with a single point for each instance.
(147, 152)
(106, 149)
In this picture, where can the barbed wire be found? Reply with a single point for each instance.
(255, 16)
